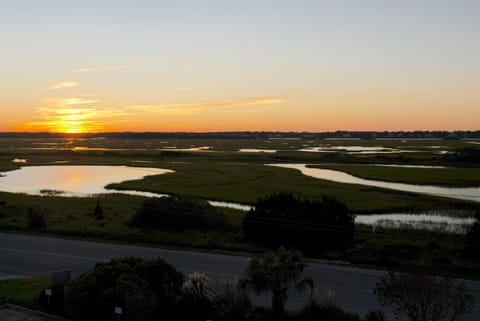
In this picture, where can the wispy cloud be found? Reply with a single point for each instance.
(101, 68)
(64, 84)
(197, 87)
(70, 101)
(190, 108)
(75, 115)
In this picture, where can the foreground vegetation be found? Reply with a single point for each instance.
(152, 290)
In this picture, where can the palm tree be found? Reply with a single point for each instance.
(277, 271)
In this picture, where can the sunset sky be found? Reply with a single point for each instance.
(204, 65)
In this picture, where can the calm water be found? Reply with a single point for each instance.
(464, 193)
(72, 180)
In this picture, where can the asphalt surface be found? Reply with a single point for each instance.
(24, 255)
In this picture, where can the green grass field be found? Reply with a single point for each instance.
(22, 291)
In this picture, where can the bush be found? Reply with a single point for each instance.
(232, 303)
(196, 302)
(421, 296)
(140, 287)
(178, 213)
(309, 225)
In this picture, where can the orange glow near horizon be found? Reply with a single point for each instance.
(288, 111)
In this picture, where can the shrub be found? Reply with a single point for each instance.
(178, 213)
(309, 225)
(197, 297)
(232, 303)
(140, 287)
(423, 297)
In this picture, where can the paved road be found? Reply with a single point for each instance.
(23, 255)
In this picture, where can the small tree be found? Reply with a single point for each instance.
(277, 272)
(424, 298)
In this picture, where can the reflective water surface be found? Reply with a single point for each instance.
(464, 193)
(71, 180)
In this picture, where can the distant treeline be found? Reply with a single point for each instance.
(260, 135)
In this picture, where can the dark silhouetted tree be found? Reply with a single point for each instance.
(145, 289)
(422, 297)
(276, 271)
(312, 226)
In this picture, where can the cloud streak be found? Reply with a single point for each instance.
(101, 68)
(75, 115)
(75, 120)
(191, 108)
(71, 101)
(64, 84)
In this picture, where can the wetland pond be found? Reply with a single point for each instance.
(70, 180)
